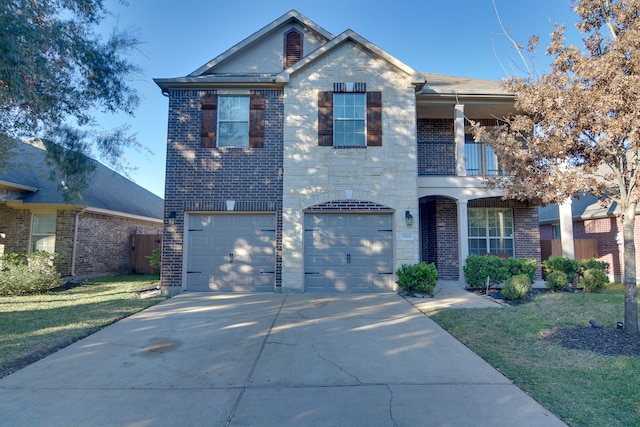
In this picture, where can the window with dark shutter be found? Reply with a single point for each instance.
(326, 118)
(208, 120)
(292, 47)
(374, 119)
(256, 120)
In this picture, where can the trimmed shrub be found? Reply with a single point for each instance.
(556, 280)
(21, 274)
(594, 280)
(478, 267)
(570, 267)
(517, 287)
(595, 264)
(419, 277)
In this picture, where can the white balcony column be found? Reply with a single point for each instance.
(463, 237)
(566, 229)
(461, 169)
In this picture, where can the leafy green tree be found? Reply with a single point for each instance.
(577, 129)
(56, 73)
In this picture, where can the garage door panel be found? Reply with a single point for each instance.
(348, 251)
(231, 252)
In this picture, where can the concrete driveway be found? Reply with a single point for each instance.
(268, 360)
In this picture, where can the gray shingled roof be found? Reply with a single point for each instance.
(440, 84)
(586, 207)
(107, 189)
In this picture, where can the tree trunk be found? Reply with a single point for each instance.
(630, 287)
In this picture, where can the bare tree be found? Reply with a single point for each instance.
(577, 127)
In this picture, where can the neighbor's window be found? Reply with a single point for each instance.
(555, 228)
(233, 121)
(490, 231)
(349, 124)
(480, 158)
(43, 232)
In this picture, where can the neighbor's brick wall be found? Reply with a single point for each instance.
(15, 227)
(202, 179)
(605, 230)
(103, 242)
(102, 245)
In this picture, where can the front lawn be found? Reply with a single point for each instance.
(33, 326)
(583, 387)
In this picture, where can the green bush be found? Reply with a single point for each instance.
(419, 277)
(478, 267)
(570, 267)
(155, 259)
(594, 280)
(517, 287)
(21, 274)
(595, 264)
(556, 280)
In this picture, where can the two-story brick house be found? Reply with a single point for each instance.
(298, 160)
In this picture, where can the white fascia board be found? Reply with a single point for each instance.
(15, 186)
(122, 214)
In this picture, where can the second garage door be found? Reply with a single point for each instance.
(231, 252)
(348, 252)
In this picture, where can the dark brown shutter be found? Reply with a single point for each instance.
(292, 47)
(325, 119)
(374, 119)
(208, 120)
(256, 120)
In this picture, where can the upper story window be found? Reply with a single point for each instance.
(480, 158)
(490, 231)
(292, 47)
(233, 121)
(43, 232)
(349, 119)
(349, 116)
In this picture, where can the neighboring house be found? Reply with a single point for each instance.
(90, 236)
(591, 220)
(298, 160)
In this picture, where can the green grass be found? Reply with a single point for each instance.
(582, 387)
(33, 326)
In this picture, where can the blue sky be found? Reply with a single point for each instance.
(454, 37)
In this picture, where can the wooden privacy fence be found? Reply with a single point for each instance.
(140, 247)
(584, 249)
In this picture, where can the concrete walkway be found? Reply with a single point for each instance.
(269, 360)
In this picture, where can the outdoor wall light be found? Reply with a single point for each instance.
(171, 218)
(408, 218)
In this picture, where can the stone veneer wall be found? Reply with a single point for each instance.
(384, 175)
(202, 179)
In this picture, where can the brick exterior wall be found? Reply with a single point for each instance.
(439, 233)
(436, 147)
(15, 226)
(202, 179)
(102, 245)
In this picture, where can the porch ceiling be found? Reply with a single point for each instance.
(473, 110)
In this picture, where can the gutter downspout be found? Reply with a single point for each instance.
(75, 243)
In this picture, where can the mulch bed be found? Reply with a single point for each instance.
(605, 341)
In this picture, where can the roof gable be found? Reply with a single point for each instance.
(261, 38)
(350, 36)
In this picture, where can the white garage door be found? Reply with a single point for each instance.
(348, 253)
(231, 252)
